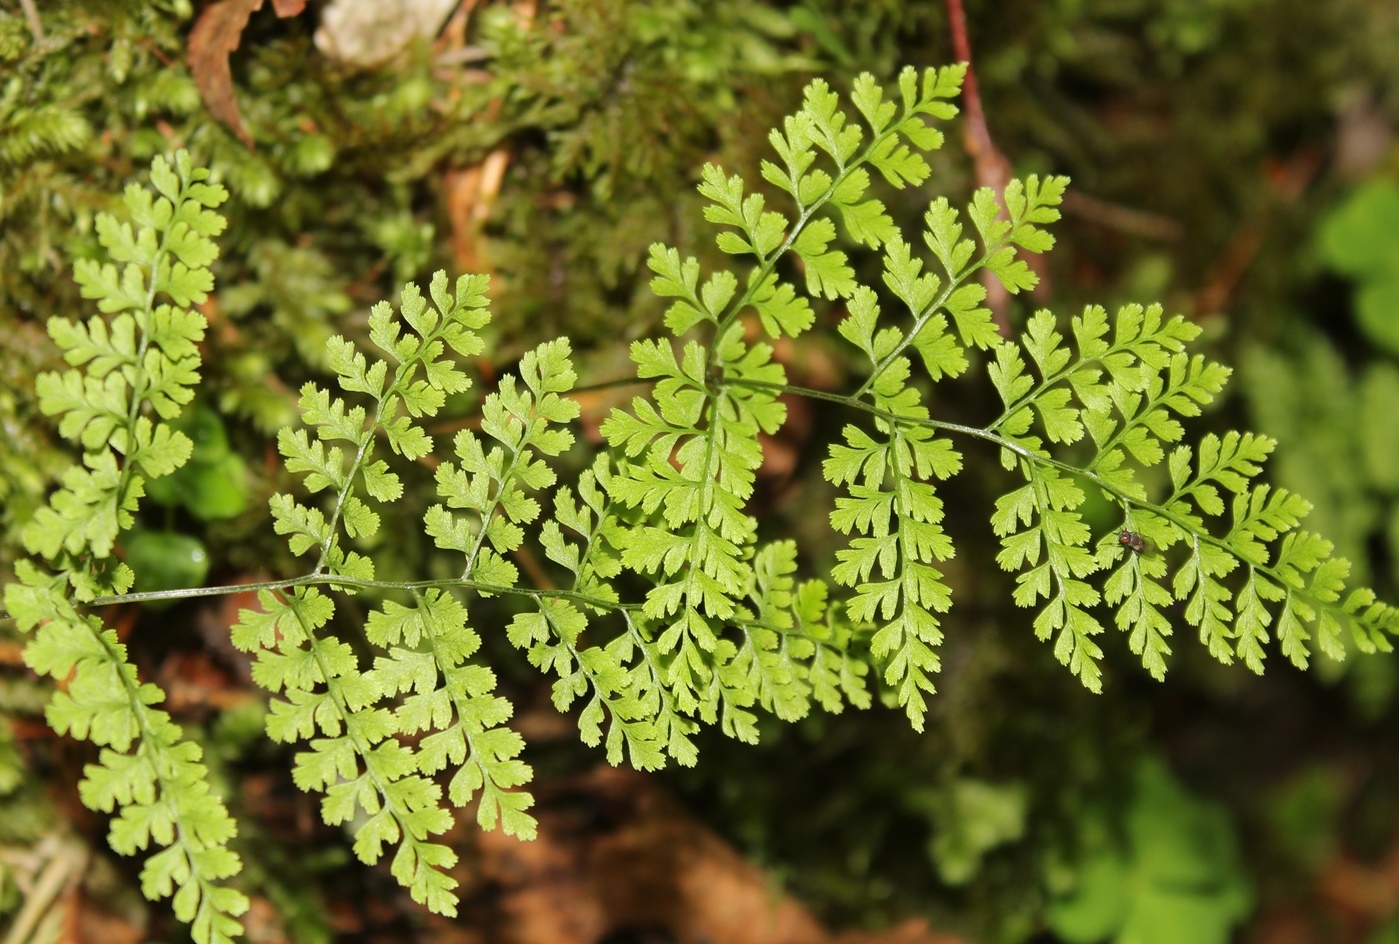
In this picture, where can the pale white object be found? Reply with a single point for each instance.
(371, 32)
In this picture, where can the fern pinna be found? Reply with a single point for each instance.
(138, 370)
(665, 610)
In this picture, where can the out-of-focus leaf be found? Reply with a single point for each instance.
(164, 560)
(1174, 875)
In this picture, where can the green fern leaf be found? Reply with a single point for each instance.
(143, 361)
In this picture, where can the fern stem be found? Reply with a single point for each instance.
(986, 434)
(590, 541)
(353, 583)
(629, 381)
(710, 467)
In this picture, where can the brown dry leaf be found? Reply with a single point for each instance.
(617, 858)
(471, 193)
(615, 855)
(11, 653)
(912, 931)
(214, 37)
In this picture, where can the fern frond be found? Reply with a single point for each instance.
(697, 554)
(891, 501)
(898, 514)
(1301, 574)
(372, 782)
(936, 303)
(1041, 518)
(492, 485)
(726, 630)
(142, 361)
(649, 680)
(695, 442)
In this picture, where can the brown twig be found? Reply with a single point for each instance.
(1125, 219)
(1287, 180)
(31, 13)
(992, 169)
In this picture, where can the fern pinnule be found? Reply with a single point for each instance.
(793, 649)
(492, 487)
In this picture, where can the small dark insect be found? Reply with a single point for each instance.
(1133, 540)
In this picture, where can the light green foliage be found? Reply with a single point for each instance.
(1338, 449)
(793, 649)
(373, 781)
(138, 368)
(1124, 404)
(1128, 392)
(1360, 239)
(1174, 875)
(616, 696)
(892, 504)
(660, 607)
(143, 359)
(1111, 401)
(970, 818)
(492, 485)
(697, 438)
